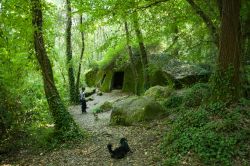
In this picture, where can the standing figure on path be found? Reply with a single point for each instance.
(83, 100)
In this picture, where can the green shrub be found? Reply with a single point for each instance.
(96, 109)
(215, 134)
(173, 101)
(106, 106)
(196, 94)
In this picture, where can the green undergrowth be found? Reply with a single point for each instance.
(36, 140)
(106, 106)
(191, 97)
(211, 134)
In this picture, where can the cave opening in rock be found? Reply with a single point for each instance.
(118, 78)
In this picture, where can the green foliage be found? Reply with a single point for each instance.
(188, 98)
(174, 101)
(196, 95)
(106, 106)
(210, 132)
(158, 61)
(96, 109)
(215, 134)
(119, 118)
(111, 55)
(24, 112)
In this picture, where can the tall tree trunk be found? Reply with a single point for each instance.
(144, 58)
(81, 56)
(72, 88)
(65, 126)
(230, 50)
(246, 50)
(132, 62)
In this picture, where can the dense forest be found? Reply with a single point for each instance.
(170, 76)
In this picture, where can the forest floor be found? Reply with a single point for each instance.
(144, 140)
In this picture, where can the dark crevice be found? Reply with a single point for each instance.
(118, 78)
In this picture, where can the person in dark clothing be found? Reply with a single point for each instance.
(83, 100)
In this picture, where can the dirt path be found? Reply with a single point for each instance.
(144, 140)
(88, 121)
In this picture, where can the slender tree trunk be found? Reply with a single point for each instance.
(175, 40)
(210, 25)
(72, 88)
(230, 47)
(64, 123)
(144, 58)
(81, 56)
(132, 63)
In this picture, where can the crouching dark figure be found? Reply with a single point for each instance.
(121, 151)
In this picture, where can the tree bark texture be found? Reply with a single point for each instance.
(80, 60)
(64, 123)
(144, 58)
(230, 41)
(132, 63)
(246, 53)
(72, 88)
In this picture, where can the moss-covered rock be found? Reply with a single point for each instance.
(129, 80)
(106, 106)
(103, 107)
(159, 92)
(104, 80)
(184, 74)
(100, 75)
(158, 78)
(89, 91)
(135, 109)
(90, 77)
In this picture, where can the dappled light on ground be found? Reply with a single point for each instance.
(144, 140)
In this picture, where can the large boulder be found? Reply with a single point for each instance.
(183, 74)
(90, 77)
(159, 92)
(157, 77)
(135, 109)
